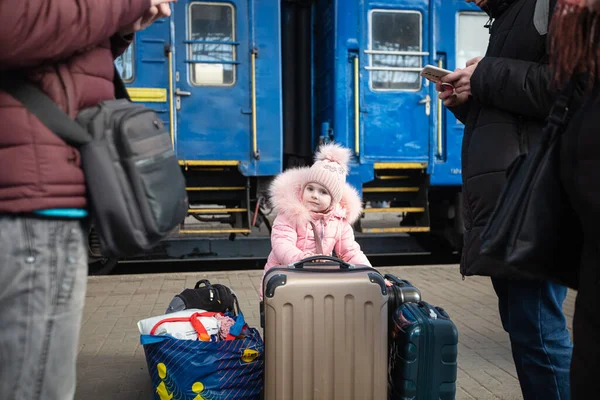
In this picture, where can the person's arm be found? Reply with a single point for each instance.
(462, 110)
(33, 32)
(349, 250)
(520, 87)
(284, 240)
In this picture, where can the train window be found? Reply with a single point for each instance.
(472, 38)
(124, 64)
(395, 46)
(211, 44)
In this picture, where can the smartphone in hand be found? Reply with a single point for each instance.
(434, 74)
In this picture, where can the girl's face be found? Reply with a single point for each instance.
(316, 198)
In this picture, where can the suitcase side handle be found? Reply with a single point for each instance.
(397, 281)
(300, 264)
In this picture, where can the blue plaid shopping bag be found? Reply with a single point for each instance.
(204, 370)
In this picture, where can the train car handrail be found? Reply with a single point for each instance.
(211, 42)
(356, 107)
(398, 53)
(211, 62)
(255, 152)
(401, 69)
(440, 120)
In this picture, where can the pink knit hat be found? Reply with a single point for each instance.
(330, 169)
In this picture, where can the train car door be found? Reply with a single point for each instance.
(397, 104)
(145, 69)
(212, 80)
(460, 36)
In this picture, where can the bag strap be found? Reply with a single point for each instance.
(206, 283)
(46, 110)
(318, 242)
(561, 112)
(193, 319)
(40, 105)
(120, 88)
(235, 331)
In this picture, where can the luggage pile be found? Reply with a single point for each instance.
(332, 331)
(202, 347)
(336, 331)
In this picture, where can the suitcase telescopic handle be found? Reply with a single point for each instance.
(300, 264)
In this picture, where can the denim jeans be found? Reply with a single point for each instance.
(531, 313)
(43, 278)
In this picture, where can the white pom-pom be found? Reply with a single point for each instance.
(335, 153)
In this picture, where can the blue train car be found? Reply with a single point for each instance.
(373, 99)
(251, 87)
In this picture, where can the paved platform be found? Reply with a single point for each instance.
(111, 362)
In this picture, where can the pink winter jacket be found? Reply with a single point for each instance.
(292, 236)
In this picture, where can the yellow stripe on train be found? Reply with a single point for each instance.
(147, 95)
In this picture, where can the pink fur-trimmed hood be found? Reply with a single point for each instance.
(286, 197)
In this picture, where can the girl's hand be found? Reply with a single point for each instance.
(388, 283)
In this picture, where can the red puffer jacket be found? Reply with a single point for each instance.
(67, 47)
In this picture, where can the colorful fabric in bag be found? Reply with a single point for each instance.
(197, 370)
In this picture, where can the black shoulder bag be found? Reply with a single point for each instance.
(136, 190)
(533, 228)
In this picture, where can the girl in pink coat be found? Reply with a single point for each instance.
(315, 211)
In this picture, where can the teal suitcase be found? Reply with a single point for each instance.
(423, 353)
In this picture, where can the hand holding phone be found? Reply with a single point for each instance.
(461, 78)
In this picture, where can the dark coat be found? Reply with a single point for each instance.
(580, 175)
(504, 117)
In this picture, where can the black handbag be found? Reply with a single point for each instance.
(533, 228)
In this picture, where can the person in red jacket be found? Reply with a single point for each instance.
(66, 48)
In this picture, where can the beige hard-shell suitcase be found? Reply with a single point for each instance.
(325, 332)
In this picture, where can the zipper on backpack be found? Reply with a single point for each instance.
(155, 158)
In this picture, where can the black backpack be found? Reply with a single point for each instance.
(206, 296)
(136, 190)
